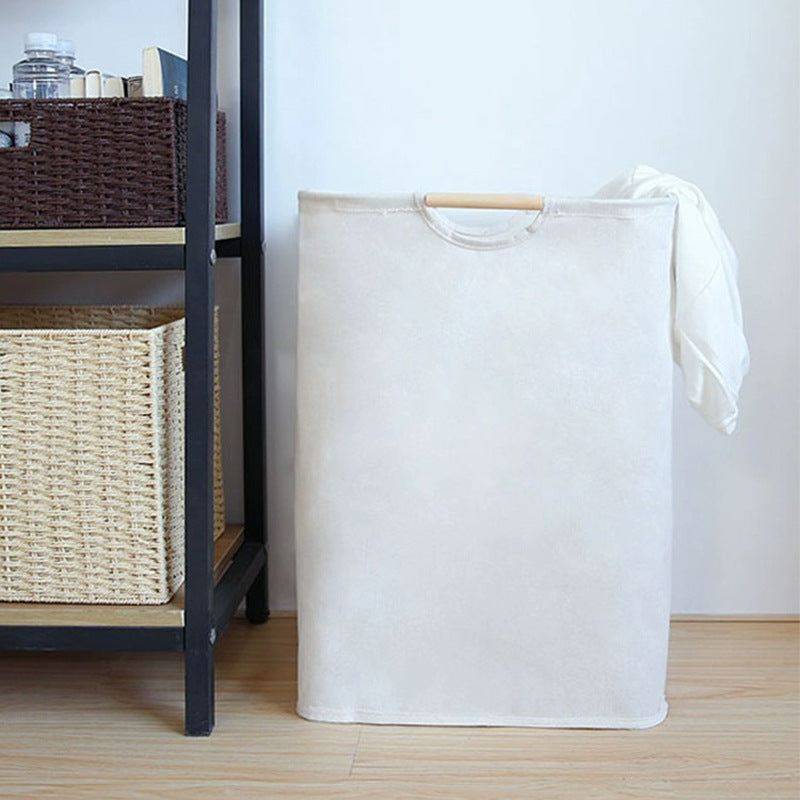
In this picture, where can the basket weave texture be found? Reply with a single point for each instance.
(92, 454)
(101, 163)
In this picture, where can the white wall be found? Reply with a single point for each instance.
(401, 95)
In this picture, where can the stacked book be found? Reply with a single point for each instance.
(163, 75)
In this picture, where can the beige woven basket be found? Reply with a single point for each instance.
(92, 454)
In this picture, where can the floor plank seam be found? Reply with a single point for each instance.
(355, 751)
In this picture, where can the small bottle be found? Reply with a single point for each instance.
(65, 53)
(40, 76)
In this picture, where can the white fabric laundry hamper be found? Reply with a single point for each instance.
(483, 495)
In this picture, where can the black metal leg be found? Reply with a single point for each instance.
(251, 28)
(199, 690)
(200, 634)
(257, 602)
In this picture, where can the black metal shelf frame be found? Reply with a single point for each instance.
(92, 258)
(105, 258)
(208, 606)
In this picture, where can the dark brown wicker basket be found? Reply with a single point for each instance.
(100, 163)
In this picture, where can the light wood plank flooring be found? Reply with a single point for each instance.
(109, 726)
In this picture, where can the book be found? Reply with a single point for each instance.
(133, 86)
(98, 84)
(93, 83)
(77, 86)
(163, 74)
(113, 86)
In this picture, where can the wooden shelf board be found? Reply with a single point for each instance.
(88, 237)
(74, 614)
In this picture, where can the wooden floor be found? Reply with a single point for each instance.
(109, 726)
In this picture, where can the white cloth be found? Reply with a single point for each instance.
(483, 463)
(707, 335)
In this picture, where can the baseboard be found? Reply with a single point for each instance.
(674, 617)
(735, 618)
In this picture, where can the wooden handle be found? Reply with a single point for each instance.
(519, 202)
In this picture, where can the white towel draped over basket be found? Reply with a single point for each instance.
(483, 496)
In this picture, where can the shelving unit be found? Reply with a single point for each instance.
(218, 577)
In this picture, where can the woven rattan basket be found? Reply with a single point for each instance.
(101, 163)
(92, 454)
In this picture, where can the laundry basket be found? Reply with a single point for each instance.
(92, 454)
(483, 497)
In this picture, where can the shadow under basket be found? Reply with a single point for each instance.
(99, 163)
(92, 454)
